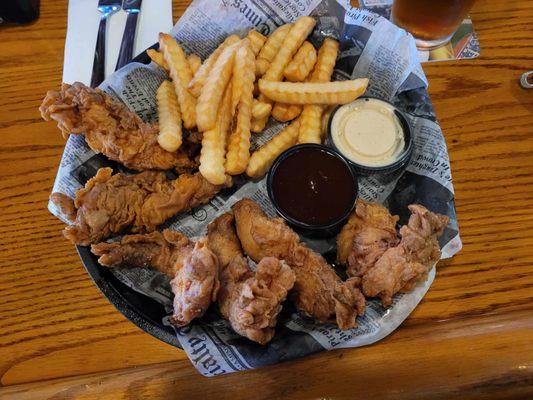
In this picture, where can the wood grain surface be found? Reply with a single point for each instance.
(471, 336)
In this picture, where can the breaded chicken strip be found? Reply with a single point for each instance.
(369, 232)
(401, 267)
(251, 301)
(112, 129)
(192, 267)
(111, 204)
(223, 240)
(319, 292)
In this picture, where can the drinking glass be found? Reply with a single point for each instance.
(431, 22)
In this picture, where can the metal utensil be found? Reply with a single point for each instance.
(525, 80)
(133, 8)
(106, 7)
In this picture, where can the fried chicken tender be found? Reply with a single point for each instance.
(319, 292)
(111, 128)
(192, 267)
(369, 232)
(223, 240)
(111, 204)
(401, 267)
(251, 301)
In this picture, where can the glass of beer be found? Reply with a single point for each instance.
(432, 22)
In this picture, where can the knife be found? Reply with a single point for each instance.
(106, 7)
(133, 8)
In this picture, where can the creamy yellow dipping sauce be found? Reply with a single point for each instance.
(368, 132)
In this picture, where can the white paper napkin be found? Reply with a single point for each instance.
(83, 20)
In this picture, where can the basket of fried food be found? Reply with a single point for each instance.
(219, 103)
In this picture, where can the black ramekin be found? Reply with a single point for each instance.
(385, 171)
(310, 230)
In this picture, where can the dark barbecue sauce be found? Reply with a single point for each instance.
(313, 187)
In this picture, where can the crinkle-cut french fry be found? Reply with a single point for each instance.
(195, 62)
(257, 40)
(325, 120)
(260, 109)
(312, 114)
(213, 153)
(338, 92)
(286, 112)
(270, 48)
(311, 124)
(258, 124)
(195, 87)
(264, 157)
(181, 75)
(168, 110)
(238, 78)
(292, 42)
(238, 153)
(261, 65)
(213, 89)
(326, 59)
(302, 63)
(158, 58)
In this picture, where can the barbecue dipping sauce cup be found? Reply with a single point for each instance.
(296, 161)
(383, 173)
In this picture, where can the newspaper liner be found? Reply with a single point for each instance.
(370, 46)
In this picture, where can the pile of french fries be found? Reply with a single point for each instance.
(239, 86)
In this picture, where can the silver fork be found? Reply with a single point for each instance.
(106, 7)
(133, 8)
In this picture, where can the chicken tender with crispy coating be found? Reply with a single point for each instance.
(192, 267)
(400, 268)
(318, 290)
(112, 129)
(250, 300)
(369, 232)
(111, 204)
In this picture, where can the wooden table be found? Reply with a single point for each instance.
(471, 336)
